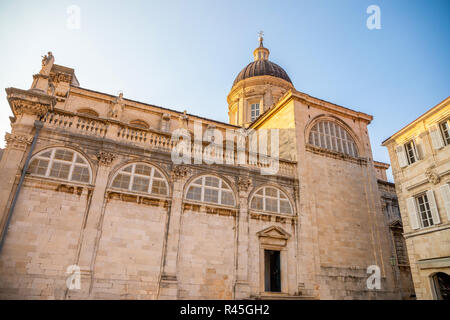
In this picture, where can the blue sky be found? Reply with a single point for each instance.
(186, 54)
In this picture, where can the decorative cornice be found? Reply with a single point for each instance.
(105, 158)
(26, 107)
(60, 77)
(29, 102)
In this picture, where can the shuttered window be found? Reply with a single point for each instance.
(445, 193)
(423, 211)
(411, 152)
(445, 129)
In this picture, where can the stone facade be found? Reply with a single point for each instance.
(420, 156)
(77, 208)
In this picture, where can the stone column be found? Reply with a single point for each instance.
(168, 286)
(241, 285)
(91, 233)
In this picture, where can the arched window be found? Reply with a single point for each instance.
(141, 177)
(61, 163)
(330, 135)
(210, 189)
(271, 199)
(140, 123)
(88, 111)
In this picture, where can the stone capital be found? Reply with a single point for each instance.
(17, 141)
(244, 183)
(179, 172)
(105, 158)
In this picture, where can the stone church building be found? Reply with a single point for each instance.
(90, 191)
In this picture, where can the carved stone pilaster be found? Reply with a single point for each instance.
(17, 141)
(105, 158)
(244, 183)
(179, 172)
(432, 176)
(296, 191)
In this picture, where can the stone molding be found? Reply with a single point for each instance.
(334, 155)
(209, 209)
(148, 199)
(271, 217)
(17, 141)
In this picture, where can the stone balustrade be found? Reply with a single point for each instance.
(151, 139)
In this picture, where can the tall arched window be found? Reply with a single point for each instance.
(330, 135)
(272, 200)
(61, 163)
(141, 177)
(210, 189)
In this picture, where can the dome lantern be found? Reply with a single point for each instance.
(261, 53)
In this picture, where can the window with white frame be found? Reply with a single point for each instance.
(272, 200)
(211, 189)
(407, 153)
(422, 210)
(411, 153)
(445, 129)
(141, 177)
(254, 109)
(62, 164)
(330, 135)
(423, 207)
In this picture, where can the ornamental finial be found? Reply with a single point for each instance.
(261, 38)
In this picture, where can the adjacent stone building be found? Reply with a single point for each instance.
(89, 188)
(420, 157)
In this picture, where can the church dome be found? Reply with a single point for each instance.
(262, 68)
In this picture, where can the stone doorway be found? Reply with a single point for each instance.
(272, 276)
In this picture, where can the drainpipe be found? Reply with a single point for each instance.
(38, 125)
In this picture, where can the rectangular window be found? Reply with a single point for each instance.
(445, 129)
(254, 111)
(423, 207)
(272, 276)
(410, 152)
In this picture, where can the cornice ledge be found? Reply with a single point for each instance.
(335, 155)
(29, 101)
(331, 106)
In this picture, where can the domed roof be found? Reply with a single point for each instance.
(262, 67)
